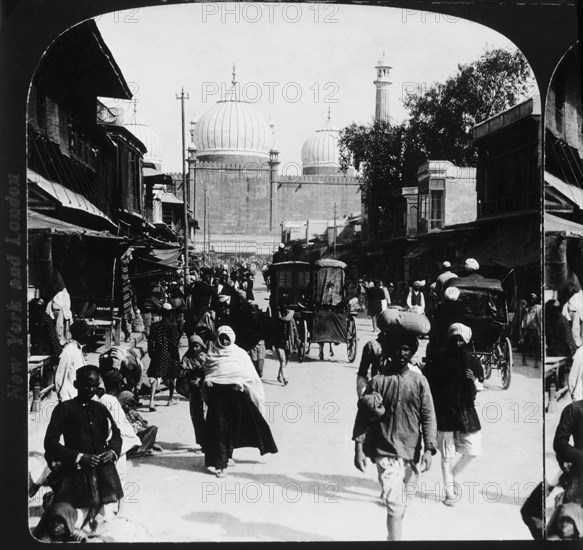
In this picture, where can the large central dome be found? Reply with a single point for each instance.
(231, 129)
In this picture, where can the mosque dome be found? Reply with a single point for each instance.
(320, 151)
(149, 138)
(233, 128)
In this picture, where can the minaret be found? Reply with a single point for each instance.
(382, 83)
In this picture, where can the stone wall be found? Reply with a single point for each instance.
(237, 198)
(313, 198)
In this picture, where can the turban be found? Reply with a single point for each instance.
(446, 265)
(452, 293)
(471, 265)
(457, 329)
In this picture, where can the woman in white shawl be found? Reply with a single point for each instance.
(236, 402)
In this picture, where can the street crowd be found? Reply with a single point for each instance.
(407, 411)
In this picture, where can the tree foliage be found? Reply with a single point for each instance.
(442, 118)
(387, 156)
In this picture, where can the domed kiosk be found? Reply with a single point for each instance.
(320, 152)
(153, 158)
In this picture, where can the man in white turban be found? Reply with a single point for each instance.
(445, 275)
(458, 329)
(453, 375)
(471, 267)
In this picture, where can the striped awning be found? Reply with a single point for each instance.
(68, 198)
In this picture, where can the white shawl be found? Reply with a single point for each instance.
(232, 365)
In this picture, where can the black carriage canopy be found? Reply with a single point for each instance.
(483, 299)
(291, 283)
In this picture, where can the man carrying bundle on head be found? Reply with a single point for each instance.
(394, 415)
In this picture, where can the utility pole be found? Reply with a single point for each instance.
(182, 96)
(335, 216)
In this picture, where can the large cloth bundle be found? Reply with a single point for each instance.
(410, 322)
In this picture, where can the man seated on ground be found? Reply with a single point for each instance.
(128, 362)
(84, 473)
(570, 456)
(567, 523)
(57, 524)
(147, 434)
(113, 380)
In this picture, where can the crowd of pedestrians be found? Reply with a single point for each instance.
(96, 426)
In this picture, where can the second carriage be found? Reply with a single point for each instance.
(317, 293)
(482, 307)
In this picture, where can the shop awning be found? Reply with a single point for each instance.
(571, 192)
(68, 198)
(507, 251)
(40, 222)
(416, 253)
(167, 257)
(170, 198)
(555, 224)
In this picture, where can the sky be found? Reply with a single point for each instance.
(293, 62)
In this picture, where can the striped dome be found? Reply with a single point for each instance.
(149, 138)
(233, 127)
(321, 150)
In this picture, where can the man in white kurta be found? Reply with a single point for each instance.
(70, 360)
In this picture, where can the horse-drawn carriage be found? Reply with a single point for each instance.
(316, 292)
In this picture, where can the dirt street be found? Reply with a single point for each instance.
(310, 490)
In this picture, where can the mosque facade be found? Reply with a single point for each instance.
(238, 196)
(241, 199)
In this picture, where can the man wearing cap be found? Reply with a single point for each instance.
(449, 311)
(393, 441)
(84, 462)
(71, 359)
(445, 275)
(193, 368)
(452, 375)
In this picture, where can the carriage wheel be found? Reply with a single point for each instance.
(351, 340)
(303, 340)
(487, 364)
(506, 363)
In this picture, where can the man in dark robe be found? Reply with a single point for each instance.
(203, 296)
(84, 472)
